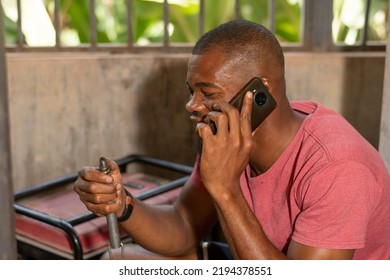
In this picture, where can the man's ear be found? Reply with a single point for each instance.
(267, 83)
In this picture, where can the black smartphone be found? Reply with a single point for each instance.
(263, 102)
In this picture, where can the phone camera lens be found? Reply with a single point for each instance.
(260, 98)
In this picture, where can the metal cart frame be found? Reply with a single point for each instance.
(67, 225)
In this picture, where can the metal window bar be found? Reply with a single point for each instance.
(237, 11)
(201, 17)
(317, 28)
(363, 45)
(365, 27)
(57, 22)
(271, 15)
(129, 22)
(166, 23)
(19, 25)
(312, 40)
(92, 24)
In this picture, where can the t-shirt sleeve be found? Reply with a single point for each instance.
(336, 204)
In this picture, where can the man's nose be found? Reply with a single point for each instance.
(195, 104)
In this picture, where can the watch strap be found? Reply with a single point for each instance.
(128, 210)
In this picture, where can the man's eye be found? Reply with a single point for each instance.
(207, 94)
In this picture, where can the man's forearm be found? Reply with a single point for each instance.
(243, 232)
(160, 229)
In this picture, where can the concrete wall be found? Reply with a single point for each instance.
(384, 140)
(351, 84)
(66, 110)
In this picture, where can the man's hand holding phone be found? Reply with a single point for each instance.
(226, 153)
(227, 136)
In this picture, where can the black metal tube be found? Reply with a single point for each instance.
(58, 182)
(57, 222)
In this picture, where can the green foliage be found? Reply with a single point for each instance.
(148, 26)
(10, 30)
(348, 18)
(76, 15)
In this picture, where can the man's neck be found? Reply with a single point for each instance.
(271, 141)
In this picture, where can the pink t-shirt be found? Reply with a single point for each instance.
(328, 189)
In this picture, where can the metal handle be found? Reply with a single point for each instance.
(112, 223)
(113, 231)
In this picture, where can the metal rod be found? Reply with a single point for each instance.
(57, 22)
(366, 23)
(92, 24)
(271, 15)
(317, 22)
(201, 17)
(166, 22)
(112, 223)
(20, 41)
(237, 9)
(130, 35)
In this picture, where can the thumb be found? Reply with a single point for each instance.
(114, 170)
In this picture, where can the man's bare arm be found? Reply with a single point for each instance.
(173, 230)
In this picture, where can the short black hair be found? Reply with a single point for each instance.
(242, 39)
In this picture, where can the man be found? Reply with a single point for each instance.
(303, 185)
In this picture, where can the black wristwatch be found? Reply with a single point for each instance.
(128, 210)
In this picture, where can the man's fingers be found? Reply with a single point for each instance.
(115, 171)
(203, 130)
(246, 114)
(93, 174)
(102, 209)
(93, 187)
